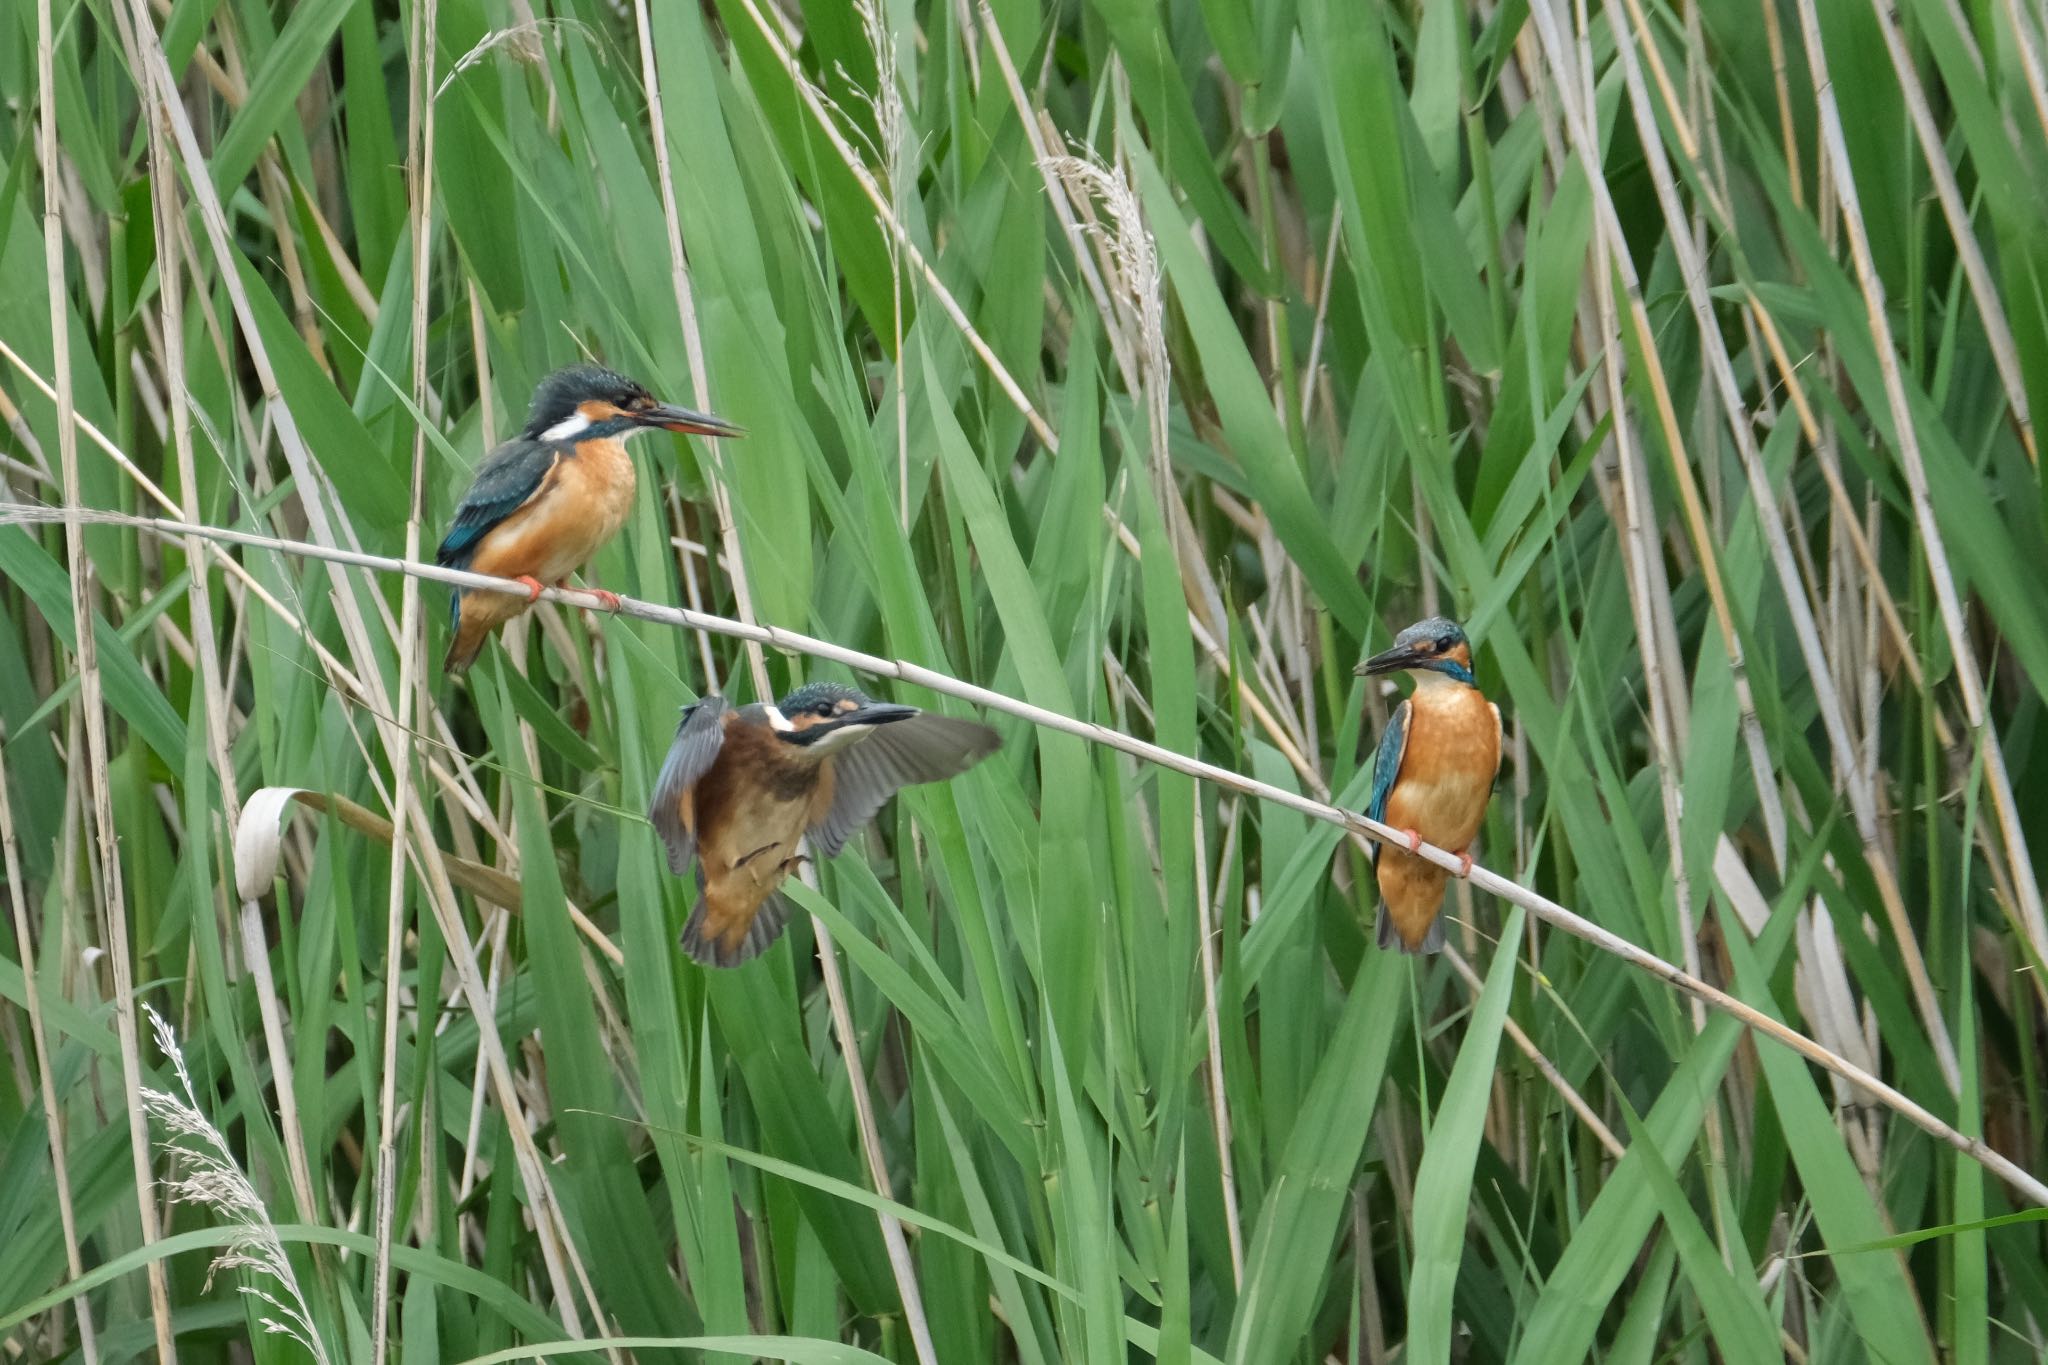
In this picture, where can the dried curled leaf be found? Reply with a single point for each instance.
(259, 843)
(259, 840)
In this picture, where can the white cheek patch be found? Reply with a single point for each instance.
(777, 720)
(841, 738)
(575, 424)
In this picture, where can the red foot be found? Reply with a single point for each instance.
(1414, 840)
(533, 586)
(606, 601)
(1464, 864)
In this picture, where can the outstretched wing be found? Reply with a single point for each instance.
(505, 482)
(924, 748)
(699, 737)
(1386, 766)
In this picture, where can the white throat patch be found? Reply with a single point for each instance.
(575, 424)
(776, 719)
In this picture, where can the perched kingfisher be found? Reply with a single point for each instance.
(545, 501)
(743, 784)
(1432, 776)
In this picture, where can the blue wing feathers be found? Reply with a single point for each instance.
(1386, 764)
(700, 735)
(512, 474)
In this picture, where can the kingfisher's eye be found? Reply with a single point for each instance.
(823, 710)
(1444, 642)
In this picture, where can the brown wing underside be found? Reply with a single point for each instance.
(748, 817)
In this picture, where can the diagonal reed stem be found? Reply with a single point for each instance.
(903, 670)
(115, 936)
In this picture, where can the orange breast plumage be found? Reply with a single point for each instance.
(1447, 771)
(1446, 777)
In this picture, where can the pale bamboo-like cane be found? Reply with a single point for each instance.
(795, 642)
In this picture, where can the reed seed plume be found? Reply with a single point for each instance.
(886, 99)
(521, 41)
(1132, 257)
(208, 1177)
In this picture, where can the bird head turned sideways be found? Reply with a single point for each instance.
(588, 402)
(823, 717)
(1436, 646)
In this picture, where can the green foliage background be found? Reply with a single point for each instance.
(1394, 327)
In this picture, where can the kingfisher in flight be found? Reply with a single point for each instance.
(545, 501)
(742, 785)
(1432, 777)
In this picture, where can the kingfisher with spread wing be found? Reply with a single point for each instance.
(742, 785)
(548, 499)
(1432, 777)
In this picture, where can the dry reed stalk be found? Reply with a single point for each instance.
(1997, 331)
(2036, 81)
(339, 673)
(257, 852)
(1573, 1100)
(1720, 367)
(114, 937)
(917, 675)
(53, 1111)
(558, 1250)
(1219, 1103)
(1757, 320)
(1640, 553)
(1321, 324)
(419, 167)
(1576, 99)
(693, 339)
(1907, 439)
(901, 1267)
(1043, 137)
(779, 48)
(205, 643)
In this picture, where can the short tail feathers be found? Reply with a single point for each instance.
(1389, 937)
(734, 944)
(468, 642)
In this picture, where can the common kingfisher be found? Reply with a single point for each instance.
(743, 784)
(545, 501)
(1432, 777)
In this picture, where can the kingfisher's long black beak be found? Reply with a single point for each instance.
(873, 714)
(671, 418)
(1391, 661)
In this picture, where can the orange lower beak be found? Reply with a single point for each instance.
(687, 420)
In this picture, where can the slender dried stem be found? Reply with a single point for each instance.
(1219, 1103)
(53, 1110)
(1834, 713)
(900, 1264)
(411, 649)
(917, 675)
(1906, 436)
(113, 903)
